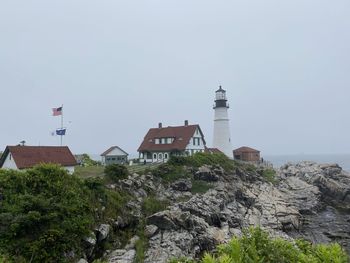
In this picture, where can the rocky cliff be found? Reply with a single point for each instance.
(306, 200)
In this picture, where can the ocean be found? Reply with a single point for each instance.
(342, 159)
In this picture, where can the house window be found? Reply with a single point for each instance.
(160, 156)
(165, 156)
(199, 141)
(10, 156)
(157, 141)
(148, 156)
(155, 156)
(194, 141)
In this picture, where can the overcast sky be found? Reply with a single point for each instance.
(120, 67)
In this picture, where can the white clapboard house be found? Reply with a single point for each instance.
(162, 142)
(114, 155)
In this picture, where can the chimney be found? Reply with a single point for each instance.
(160, 125)
(186, 122)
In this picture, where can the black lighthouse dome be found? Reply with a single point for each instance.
(220, 98)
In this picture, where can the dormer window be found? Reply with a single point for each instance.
(156, 141)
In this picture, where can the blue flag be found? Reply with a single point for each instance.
(61, 132)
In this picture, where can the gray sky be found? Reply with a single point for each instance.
(120, 67)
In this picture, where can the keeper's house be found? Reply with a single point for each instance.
(161, 143)
(25, 157)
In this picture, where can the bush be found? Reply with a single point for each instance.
(170, 173)
(106, 203)
(256, 246)
(200, 187)
(116, 172)
(199, 159)
(87, 161)
(269, 175)
(44, 213)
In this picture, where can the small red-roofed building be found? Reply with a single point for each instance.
(162, 142)
(246, 154)
(24, 157)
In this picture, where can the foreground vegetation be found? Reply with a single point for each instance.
(255, 246)
(45, 212)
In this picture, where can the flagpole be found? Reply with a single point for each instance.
(62, 124)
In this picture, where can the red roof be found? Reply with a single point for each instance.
(181, 135)
(245, 149)
(29, 156)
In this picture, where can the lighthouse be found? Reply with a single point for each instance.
(222, 136)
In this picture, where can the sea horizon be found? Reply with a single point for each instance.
(343, 160)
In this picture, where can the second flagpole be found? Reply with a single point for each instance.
(62, 124)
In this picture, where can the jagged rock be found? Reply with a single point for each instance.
(150, 230)
(163, 220)
(182, 185)
(206, 174)
(102, 232)
(122, 256)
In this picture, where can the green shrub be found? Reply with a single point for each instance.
(269, 175)
(116, 172)
(199, 159)
(106, 203)
(87, 161)
(170, 173)
(44, 212)
(255, 246)
(200, 187)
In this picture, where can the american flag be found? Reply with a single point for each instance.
(57, 111)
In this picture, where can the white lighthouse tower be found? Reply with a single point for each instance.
(222, 136)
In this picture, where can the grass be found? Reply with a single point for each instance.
(152, 205)
(98, 171)
(269, 175)
(141, 244)
(89, 171)
(200, 187)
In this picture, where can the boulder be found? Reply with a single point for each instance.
(206, 174)
(182, 185)
(122, 256)
(150, 230)
(102, 232)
